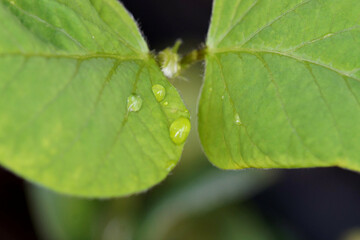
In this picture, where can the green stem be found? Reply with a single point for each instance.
(176, 46)
(169, 59)
(193, 57)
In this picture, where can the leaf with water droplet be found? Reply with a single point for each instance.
(237, 119)
(179, 130)
(159, 92)
(295, 85)
(72, 118)
(134, 103)
(171, 166)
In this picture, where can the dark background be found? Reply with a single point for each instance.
(313, 203)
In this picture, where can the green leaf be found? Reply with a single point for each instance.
(282, 84)
(67, 72)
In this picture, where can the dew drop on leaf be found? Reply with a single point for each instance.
(179, 130)
(159, 92)
(237, 120)
(165, 103)
(171, 165)
(134, 103)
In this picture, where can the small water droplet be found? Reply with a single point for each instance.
(134, 103)
(159, 92)
(171, 166)
(165, 103)
(237, 119)
(222, 97)
(179, 130)
(93, 37)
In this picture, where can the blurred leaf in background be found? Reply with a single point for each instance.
(352, 234)
(205, 208)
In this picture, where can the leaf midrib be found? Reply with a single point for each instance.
(87, 56)
(120, 38)
(298, 58)
(301, 60)
(268, 24)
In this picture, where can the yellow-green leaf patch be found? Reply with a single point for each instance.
(282, 84)
(67, 70)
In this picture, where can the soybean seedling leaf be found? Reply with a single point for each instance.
(78, 114)
(282, 84)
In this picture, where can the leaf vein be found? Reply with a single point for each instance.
(73, 56)
(351, 90)
(274, 21)
(293, 128)
(40, 20)
(252, 6)
(233, 105)
(326, 36)
(295, 57)
(308, 67)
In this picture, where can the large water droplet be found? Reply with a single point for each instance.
(237, 119)
(134, 103)
(159, 92)
(179, 130)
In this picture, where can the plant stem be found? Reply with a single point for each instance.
(176, 46)
(192, 57)
(172, 63)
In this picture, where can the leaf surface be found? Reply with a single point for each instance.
(67, 69)
(282, 84)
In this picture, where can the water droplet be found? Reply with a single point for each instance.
(171, 166)
(179, 130)
(222, 97)
(165, 103)
(134, 103)
(159, 92)
(237, 119)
